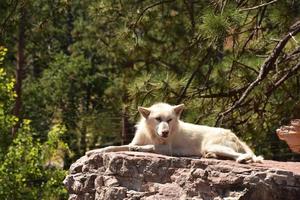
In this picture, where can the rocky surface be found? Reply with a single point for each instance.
(134, 175)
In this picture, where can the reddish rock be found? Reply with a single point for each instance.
(134, 175)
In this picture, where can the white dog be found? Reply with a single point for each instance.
(161, 131)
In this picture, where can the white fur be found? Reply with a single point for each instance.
(160, 130)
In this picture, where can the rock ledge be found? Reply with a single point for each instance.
(134, 175)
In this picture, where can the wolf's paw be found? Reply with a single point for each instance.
(144, 148)
(258, 159)
(210, 155)
(244, 158)
(149, 148)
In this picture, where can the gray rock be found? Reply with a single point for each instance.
(135, 175)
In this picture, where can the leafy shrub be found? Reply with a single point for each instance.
(28, 167)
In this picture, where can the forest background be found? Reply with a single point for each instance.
(72, 74)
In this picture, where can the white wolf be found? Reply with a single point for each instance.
(160, 130)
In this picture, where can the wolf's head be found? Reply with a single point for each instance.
(162, 118)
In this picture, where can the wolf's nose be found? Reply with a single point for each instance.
(165, 134)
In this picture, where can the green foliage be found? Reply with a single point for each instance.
(24, 171)
(29, 169)
(7, 97)
(71, 85)
(214, 27)
(279, 16)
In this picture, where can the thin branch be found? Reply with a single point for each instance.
(264, 70)
(259, 6)
(255, 29)
(230, 93)
(149, 7)
(246, 66)
(290, 55)
(144, 11)
(201, 63)
(294, 39)
(280, 81)
(190, 8)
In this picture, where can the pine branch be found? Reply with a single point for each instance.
(264, 70)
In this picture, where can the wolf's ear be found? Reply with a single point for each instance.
(145, 112)
(178, 109)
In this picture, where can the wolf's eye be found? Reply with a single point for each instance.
(169, 120)
(158, 119)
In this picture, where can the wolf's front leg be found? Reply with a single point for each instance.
(163, 149)
(108, 149)
(141, 148)
(150, 148)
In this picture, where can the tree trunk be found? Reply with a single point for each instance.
(125, 127)
(19, 67)
(70, 27)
